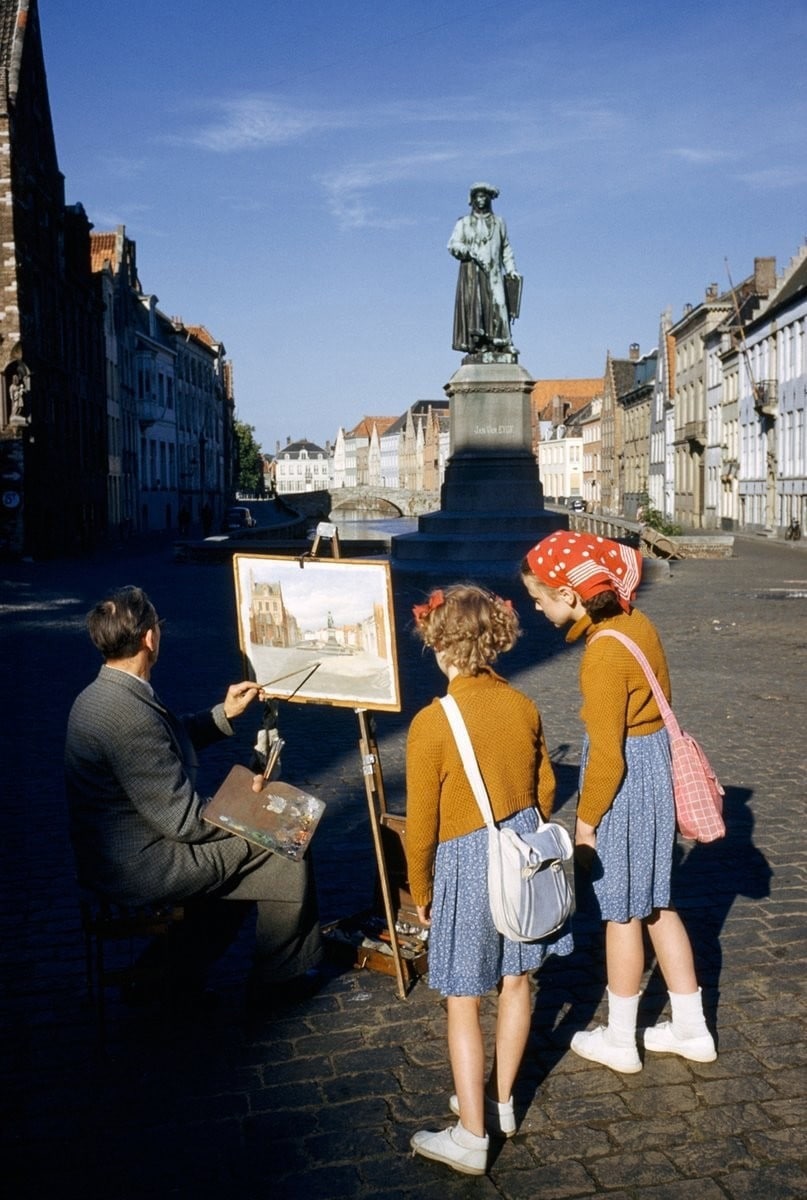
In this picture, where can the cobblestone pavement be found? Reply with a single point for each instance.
(322, 1102)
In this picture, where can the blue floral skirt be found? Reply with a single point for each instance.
(467, 954)
(631, 872)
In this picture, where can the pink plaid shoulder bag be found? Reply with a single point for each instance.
(698, 795)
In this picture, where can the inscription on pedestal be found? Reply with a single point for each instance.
(493, 430)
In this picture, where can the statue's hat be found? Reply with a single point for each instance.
(482, 187)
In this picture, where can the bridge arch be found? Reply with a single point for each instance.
(365, 508)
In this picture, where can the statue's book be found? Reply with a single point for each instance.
(280, 817)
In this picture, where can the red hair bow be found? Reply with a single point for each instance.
(419, 611)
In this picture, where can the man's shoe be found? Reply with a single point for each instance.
(267, 997)
(662, 1039)
(594, 1045)
(500, 1120)
(455, 1147)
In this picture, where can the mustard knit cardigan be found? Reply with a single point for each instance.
(617, 703)
(507, 735)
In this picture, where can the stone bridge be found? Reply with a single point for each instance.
(365, 503)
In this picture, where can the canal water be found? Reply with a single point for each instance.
(381, 530)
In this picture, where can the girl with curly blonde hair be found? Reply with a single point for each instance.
(468, 628)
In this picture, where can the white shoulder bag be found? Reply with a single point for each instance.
(530, 894)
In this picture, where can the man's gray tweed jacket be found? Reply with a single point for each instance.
(130, 771)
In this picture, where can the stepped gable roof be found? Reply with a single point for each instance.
(623, 373)
(643, 378)
(365, 427)
(295, 449)
(102, 250)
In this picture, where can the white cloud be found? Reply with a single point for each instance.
(774, 178)
(345, 189)
(260, 120)
(257, 121)
(698, 156)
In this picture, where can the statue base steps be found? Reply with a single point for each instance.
(492, 541)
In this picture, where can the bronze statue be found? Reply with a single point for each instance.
(489, 287)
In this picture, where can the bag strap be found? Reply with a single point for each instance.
(463, 740)
(661, 700)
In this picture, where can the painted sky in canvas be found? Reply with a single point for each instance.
(291, 173)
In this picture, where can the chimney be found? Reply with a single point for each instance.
(633, 352)
(764, 275)
(288, 440)
(687, 309)
(277, 448)
(711, 291)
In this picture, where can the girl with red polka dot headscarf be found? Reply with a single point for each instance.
(591, 565)
(625, 824)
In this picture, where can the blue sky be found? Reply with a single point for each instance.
(291, 171)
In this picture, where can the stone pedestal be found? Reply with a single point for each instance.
(492, 503)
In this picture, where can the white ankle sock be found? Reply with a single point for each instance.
(687, 1014)
(622, 1012)
(470, 1141)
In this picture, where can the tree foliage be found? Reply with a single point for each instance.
(655, 519)
(249, 460)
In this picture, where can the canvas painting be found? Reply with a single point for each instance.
(320, 633)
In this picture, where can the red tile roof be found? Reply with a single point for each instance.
(365, 426)
(574, 392)
(102, 250)
(545, 390)
(203, 334)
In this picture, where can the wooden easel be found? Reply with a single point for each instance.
(325, 529)
(376, 807)
(383, 825)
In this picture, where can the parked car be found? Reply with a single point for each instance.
(237, 518)
(577, 504)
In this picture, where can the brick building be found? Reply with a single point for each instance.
(52, 406)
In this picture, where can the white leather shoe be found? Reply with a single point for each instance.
(500, 1120)
(662, 1039)
(593, 1044)
(455, 1147)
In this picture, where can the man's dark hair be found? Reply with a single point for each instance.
(117, 624)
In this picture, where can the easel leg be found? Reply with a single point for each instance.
(373, 784)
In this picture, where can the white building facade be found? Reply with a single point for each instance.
(301, 466)
(560, 464)
(772, 404)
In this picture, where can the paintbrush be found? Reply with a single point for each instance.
(299, 670)
(274, 755)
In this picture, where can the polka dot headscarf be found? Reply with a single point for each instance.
(587, 564)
